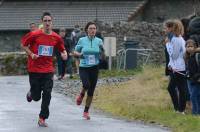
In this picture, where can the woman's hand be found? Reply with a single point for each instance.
(77, 54)
(71, 54)
(166, 40)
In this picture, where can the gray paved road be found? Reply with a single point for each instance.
(17, 115)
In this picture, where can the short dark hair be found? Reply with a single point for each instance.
(32, 23)
(88, 24)
(191, 41)
(46, 14)
(76, 26)
(62, 30)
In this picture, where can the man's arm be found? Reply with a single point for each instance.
(197, 49)
(28, 51)
(64, 55)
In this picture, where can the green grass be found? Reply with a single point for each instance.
(114, 73)
(118, 73)
(145, 98)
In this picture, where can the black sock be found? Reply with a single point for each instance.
(86, 109)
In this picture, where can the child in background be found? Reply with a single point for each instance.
(192, 69)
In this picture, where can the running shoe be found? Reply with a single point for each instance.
(28, 96)
(86, 115)
(79, 99)
(42, 123)
(60, 77)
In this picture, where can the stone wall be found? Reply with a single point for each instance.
(149, 36)
(160, 10)
(13, 63)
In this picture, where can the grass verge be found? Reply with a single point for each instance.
(115, 73)
(145, 98)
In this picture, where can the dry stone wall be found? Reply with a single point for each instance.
(149, 36)
(13, 63)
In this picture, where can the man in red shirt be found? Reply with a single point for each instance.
(39, 45)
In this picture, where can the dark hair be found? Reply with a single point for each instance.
(169, 23)
(46, 14)
(185, 22)
(88, 24)
(62, 30)
(187, 55)
(195, 38)
(191, 41)
(32, 23)
(76, 26)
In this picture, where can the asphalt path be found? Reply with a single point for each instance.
(17, 115)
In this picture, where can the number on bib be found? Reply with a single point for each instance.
(44, 50)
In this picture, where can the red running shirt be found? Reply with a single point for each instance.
(37, 39)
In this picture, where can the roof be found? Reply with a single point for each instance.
(17, 15)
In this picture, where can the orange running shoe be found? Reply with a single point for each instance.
(86, 115)
(42, 123)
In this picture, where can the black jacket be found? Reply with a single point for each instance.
(193, 69)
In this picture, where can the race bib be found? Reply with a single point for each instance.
(90, 59)
(44, 50)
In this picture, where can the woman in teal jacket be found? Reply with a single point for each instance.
(88, 49)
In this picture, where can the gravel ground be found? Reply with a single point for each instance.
(71, 87)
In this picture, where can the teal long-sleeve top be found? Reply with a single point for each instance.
(91, 49)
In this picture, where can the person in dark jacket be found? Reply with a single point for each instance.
(64, 66)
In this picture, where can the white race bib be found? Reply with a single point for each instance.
(90, 59)
(44, 50)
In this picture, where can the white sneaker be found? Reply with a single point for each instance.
(55, 77)
(183, 113)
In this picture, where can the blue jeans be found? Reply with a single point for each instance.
(194, 89)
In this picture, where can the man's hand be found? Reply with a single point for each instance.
(64, 55)
(34, 56)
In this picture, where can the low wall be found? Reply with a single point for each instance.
(13, 63)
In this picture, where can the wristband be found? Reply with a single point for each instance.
(32, 55)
